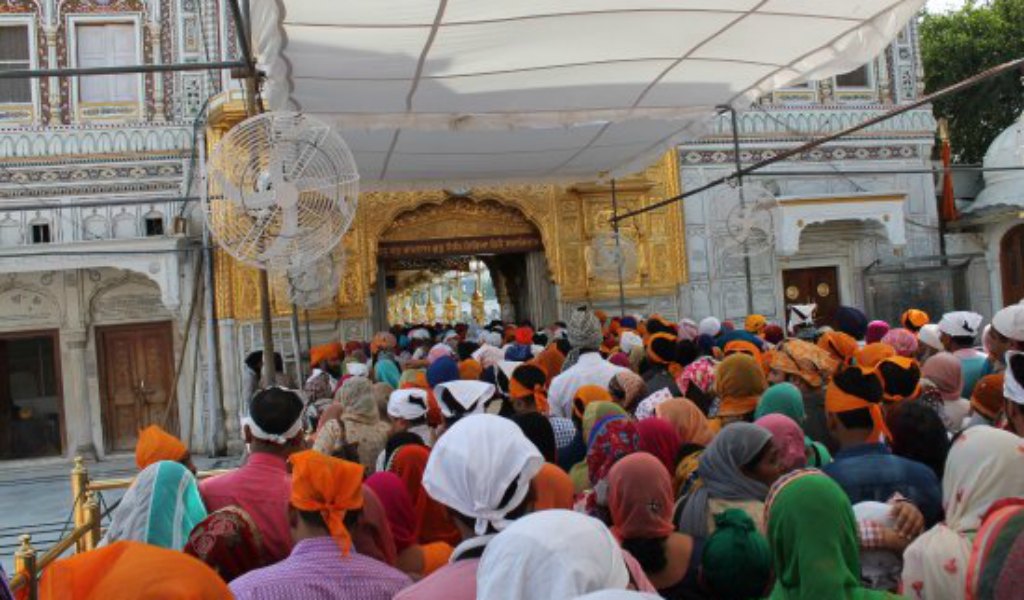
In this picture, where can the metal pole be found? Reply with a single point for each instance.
(309, 340)
(962, 85)
(618, 247)
(297, 342)
(743, 206)
(215, 438)
(120, 69)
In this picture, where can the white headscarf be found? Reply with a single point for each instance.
(1013, 390)
(471, 395)
(408, 404)
(551, 554)
(984, 465)
(930, 336)
(473, 465)
(961, 323)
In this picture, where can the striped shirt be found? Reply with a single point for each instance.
(315, 570)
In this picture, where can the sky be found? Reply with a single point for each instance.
(944, 5)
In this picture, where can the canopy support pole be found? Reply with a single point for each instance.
(618, 249)
(743, 205)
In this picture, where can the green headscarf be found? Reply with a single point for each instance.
(813, 537)
(387, 372)
(596, 411)
(736, 562)
(818, 455)
(784, 399)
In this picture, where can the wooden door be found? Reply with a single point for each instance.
(136, 381)
(1011, 260)
(816, 285)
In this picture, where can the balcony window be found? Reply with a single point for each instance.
(41, 233)
(154, 225)
(107, 45)
(15, 55)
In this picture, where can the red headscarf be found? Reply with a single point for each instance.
(432, 520)
(660, 438)
(229, 542)
(391, 492)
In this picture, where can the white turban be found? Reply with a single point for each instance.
(961, 324)
(629, 340)
(410, 404)
(551, 554)
(473, 465)
(709, 326)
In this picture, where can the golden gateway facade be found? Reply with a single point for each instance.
(566, 218)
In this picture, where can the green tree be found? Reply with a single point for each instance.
(957, 45)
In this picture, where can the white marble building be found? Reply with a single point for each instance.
(829, 225)
(98, 251)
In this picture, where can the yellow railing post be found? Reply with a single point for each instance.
(79, 483)
(25, 564)
(92, 510)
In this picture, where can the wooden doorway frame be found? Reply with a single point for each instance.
(53, 334)
(105, 417)
(1004, 270)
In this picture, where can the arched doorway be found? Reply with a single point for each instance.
(432, 258)
(1011, 261)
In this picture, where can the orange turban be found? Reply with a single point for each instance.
(901, 378)
(987, 398)
(602, 317)
(155, 445)
(755, 324)
(325, 352)
(869, 356)
(914, 319)
(586, 395)
(128, 569)
(840, 345)
(854, 388)
(551, 360)
(330, 485)
(470, 369)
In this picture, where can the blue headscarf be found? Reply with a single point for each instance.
(387, 372)
(443, 370)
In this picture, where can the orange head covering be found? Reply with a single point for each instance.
(516, 389)
(551, 361)
(987, 398)
(744, 347)
(688, 420)
(854, 388)
(432, 521)
(901, 378)
(869, 356)
(155, 445)
(325, 352)
(739, 382)
(470, 369)
(587, 394)
(804, 360)
(132, 570)
(329, 485)
(602, 317)
(552, 488)
(914, 319)
(840, 345)
(661, 349)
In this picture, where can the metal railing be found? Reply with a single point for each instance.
(87, 531)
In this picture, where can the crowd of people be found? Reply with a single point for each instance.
(602, 458)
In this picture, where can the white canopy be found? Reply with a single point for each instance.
(453, 92)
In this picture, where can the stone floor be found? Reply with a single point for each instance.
(36, 498)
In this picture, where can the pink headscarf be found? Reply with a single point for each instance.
(876, 331)
(788, 438)
(438, 351)
(660, 438)
(640, 497)
(619, 359)
(944, 370)
(700, 372)
(902, 341)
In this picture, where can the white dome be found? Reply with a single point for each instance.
(1003, 187)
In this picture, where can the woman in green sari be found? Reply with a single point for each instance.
(813, 537)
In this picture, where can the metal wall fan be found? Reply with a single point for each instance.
(606, 256)
(743, 219)
(282, 190)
